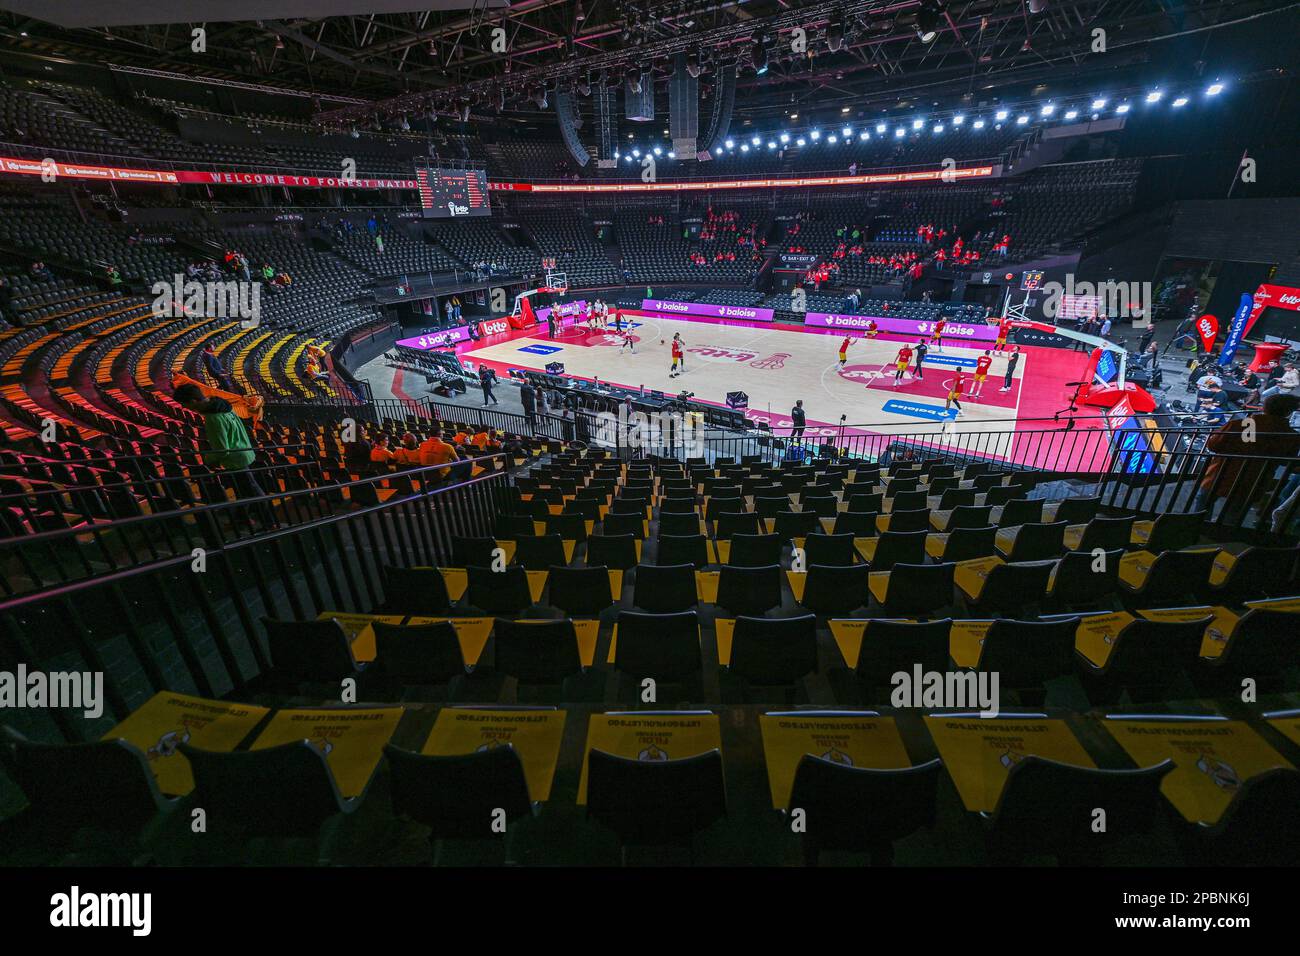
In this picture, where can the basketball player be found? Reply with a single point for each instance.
(981, 373)
(677, 357)
(1004, 330)
(901, 361)
(954, 393)
(872, 329)
(844, 350)
(1011, 368)
(618, 320)
(936, 336)
(628, 342)
(681, 349)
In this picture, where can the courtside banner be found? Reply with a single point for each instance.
(52, 170)
(953, 330)
(1237, 327)
(437, 340)
(749, 313)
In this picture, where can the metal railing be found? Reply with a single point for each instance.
(37, 562)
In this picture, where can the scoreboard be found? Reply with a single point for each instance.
(452, 193)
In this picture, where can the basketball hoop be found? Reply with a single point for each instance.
(557, 283)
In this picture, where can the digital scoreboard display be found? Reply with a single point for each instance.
(452, 193)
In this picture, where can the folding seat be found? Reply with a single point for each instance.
(771, 507)
(773, 652)
(795, 524)
(954, 498)
(277, 792)
(1264, 646)
(918, 589)
(1105, 533)
(1260, 827)
(754, 550)
(586, 508)
(834, 549)
(537, 653)
(1028, 654)
(983, 481)
(679, 505)
(824, 505)
(127, 801)
(466, 552)
(1147, 659)
(874, 502)
(1256, 573)
(909, 501)
(893, 547)
(582, 591)
(1017, 511)
(1170, 532)
(416, 654)
(633, 524)
(1174, 577)
(751, 591)
(665, 588)
(629, 506)
(499, 592)
(720, 506)
(1010, 589)
(309, 651)
(1037, 542)
(570, 527)
(1079, 581)
(1043, 803)
(689, 549)
(613, 551)
(910, 520)
(1078, 511)
(730, 524)
(678, 524)
(831, 589)
(540, 552)
(889, 647)
(964, 544)
(665, 647)
(862, 809)
(655, 803)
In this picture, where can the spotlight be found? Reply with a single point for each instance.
(881, 128)
(938, 129)
(744, 147)
(539, 97)
(1001, 115)
(1122, 108)
(835, 33)
(1022, 120)
(927, 21)
(864, 135)
(636, 153)
(1214, 89)
(1072, 114)
(758, 55)
(958, 120)
(1048, 110)
(658, 151)
(1154, 96)
(917, 124)
(978, 124)
(771, 144)
(579, 14)
(832, 138)
(730, 144)
(755, 141)
(1098, 103)
(846, 132)
(801, 141)
(632, 77)
(844, 109)
(584, 86)
(785, 137)
(794, 116)
(1037, 6)
(718, 151)
(671, 154)
(693, 63)
(900, 133)
(815, 135)
(1181, 101)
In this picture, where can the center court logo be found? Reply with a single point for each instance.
(775, 360)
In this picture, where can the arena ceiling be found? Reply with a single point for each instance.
(404, 62)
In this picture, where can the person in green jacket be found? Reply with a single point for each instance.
(229, 447)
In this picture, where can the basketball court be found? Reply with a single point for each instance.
(777, 365)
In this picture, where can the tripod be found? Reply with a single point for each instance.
(1074, 403)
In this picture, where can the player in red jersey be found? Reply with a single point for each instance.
(954, 393)
(844, 350)
(677, 357)
(872, 329)
(1004, 331)
(981, 373)
(901, 362)
(936, 334)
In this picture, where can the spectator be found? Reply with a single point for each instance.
(1238, 480)
(380, 453)
(40, 272)
(798, 419)
(435, 451)
(486, 376)
(528, 398)
(1011, 368)
(1287, 383)
(409, 452)
(230, 449)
